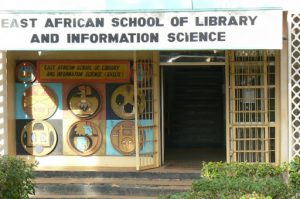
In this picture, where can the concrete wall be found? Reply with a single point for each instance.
(3, 105)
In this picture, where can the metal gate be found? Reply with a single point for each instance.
(252, 106)
(145, 123)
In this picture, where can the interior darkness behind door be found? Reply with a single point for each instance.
(194, 107)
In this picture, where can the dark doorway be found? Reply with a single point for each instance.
(194, 115)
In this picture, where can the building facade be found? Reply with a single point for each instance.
(128, 84)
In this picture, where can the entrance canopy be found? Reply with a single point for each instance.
(140, 25)
(258, 29)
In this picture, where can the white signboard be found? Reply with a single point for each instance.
(142, 31)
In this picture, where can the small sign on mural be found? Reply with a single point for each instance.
(83, 71)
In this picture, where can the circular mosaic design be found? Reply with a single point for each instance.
(83, 101)
(38, 138)
(122, 101)
(84, 138)
(25, 72)
(39, 102)
(123, 138)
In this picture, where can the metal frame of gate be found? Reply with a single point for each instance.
(146, 115)
(252, 110)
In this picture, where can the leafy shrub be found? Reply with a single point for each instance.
(15, 178)
(294, 175)
(255, 196)
(239, 181)
(237, 187)
(253, 170)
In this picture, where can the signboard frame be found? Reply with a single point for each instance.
(99, 71)
(255, 29)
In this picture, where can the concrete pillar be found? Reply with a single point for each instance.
(284, 94)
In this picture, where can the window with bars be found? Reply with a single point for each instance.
(252, 109)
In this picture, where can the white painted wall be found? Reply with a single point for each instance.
(3, 105)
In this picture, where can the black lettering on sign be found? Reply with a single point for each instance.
(74, 22)
(18, 23)
(50, 74)
(225, 21)
(196, 36)
(136, 22)
(179, 21)
(113, 38)
(44, 38)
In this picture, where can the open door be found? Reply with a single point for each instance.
(194, 115)
(146, 132)
(253, 114)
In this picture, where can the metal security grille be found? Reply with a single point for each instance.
(294, 81)
(252, 102)
(145, 124)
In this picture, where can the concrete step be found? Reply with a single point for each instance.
(96, 184)
(120, 174)
(128, 181)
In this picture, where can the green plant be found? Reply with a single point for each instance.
(255, 196)
(15, 178)
(236, 180)
(239, 181)
(254, 170)
(244, 181)
(294, 175)
(237, 187)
